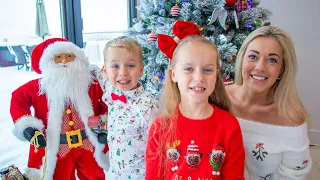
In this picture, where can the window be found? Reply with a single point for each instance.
(102, 20)
(18, 21)
(17, 38)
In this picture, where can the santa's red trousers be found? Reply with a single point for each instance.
(80, 161)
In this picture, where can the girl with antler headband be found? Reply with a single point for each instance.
(195, 137)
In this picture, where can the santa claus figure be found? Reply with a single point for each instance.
(61, 143)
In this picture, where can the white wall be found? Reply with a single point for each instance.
(301, 19)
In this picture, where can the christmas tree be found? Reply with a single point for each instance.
(224, 22)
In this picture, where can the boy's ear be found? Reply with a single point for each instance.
(141, 71)
(172, 75)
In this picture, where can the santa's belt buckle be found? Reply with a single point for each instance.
(70, 134)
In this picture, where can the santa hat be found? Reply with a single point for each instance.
(218, 148)
(45, 52)
(193, 148)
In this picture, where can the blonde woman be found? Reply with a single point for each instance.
(264, 98)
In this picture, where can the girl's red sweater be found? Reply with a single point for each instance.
(210, 148)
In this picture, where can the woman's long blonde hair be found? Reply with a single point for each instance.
(171, 98)
(283, 92)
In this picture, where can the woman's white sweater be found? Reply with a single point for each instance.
(276, 152)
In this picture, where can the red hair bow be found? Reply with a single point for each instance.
(181, 29)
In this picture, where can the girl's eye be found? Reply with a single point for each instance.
(131, 65)
(208, 70)
(188, 69)
(271, 60)
(58, 57)
(252, 57)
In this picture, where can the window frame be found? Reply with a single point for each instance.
(72, 22)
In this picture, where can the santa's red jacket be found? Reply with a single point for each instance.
(28, 96)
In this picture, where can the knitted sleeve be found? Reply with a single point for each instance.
(235, 160)
(151, 153)
(296, 160)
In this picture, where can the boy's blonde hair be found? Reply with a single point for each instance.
(171, 98)
(125, 42)
(283, 92)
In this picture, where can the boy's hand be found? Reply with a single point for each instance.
(94, 69)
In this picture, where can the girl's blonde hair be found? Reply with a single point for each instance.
(284, 91)
(171, 98)
(125, 42)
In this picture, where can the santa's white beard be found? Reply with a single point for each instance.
(65, 84)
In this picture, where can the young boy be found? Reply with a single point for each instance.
(131, 108)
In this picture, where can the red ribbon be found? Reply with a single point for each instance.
(181, 29)
(120, 98)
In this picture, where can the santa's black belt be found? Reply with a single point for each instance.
(73, 138)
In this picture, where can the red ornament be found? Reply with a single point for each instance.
(242, 5)
(231, 3)
(152, 37)
(175, 10)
